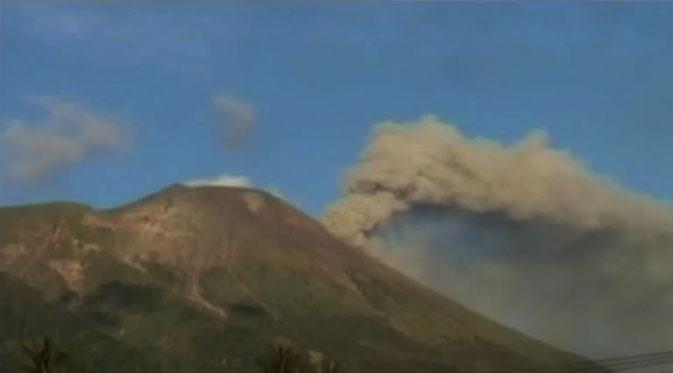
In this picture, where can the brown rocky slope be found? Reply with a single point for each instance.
(206, 275)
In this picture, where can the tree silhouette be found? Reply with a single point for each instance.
(284, 358)
(42, 357)
(281, 358)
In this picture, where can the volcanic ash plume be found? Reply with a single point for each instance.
(430, 162)
(523, 233)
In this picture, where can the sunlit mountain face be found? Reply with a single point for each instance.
(199, 275)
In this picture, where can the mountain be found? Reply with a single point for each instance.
(200, 279)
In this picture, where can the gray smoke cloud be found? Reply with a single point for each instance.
(525, 234)
(69, 134)
(239, 119)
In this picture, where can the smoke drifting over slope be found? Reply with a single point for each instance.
(524, 233)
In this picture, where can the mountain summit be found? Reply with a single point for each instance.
(199, 279)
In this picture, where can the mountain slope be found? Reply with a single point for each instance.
(203, 277)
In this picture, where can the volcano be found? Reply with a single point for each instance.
(200, 279)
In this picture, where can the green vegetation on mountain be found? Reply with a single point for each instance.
(199, 279)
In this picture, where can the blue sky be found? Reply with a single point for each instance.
(318, 77)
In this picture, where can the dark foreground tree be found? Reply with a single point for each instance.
(281, 358)
(284, 358)
(42, 356)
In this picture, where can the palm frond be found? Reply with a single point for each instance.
(281, 358)
(42, 356)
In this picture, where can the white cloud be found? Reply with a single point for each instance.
(238, 120)
(69, 134)
(223, 180)
(237, 181)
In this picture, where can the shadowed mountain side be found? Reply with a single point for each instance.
(206, 275)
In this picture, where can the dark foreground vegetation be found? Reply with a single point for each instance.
(48, 356)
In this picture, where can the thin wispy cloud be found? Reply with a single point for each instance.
(69, 134)
(238, 119)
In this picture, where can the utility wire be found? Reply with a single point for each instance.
(611, 364)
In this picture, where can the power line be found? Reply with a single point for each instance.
(610, 364)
